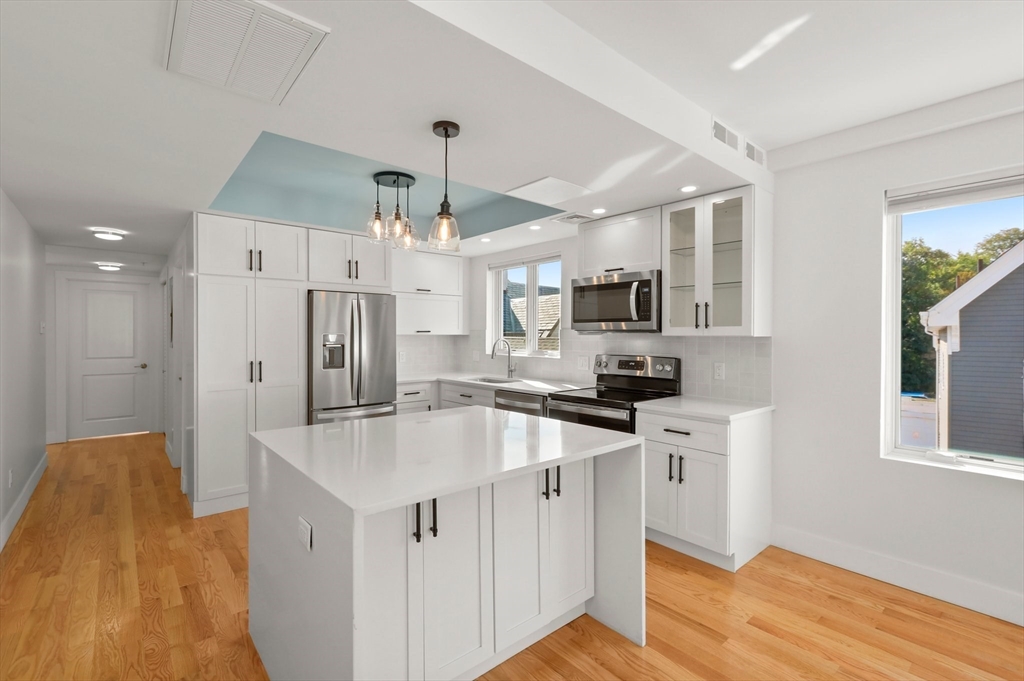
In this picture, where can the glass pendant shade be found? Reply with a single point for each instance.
(375, 228)
(408, 238)
(444, 232)
(393, 226)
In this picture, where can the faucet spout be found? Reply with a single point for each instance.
(508, 349)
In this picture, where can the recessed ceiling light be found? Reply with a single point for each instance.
(599, 211)
(534, 226)
(688, 188)
(107, 233)
(110, 266)
(485, 240)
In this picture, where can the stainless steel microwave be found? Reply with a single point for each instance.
(622, 301)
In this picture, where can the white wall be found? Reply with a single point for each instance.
(949, 534)
(748, 360)
(22, 370)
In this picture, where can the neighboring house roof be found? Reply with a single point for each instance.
(946, 313)
(549, 313)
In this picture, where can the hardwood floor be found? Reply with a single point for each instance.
(107, 576)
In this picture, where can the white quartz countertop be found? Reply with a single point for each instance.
(703, 408)
(536, 386)
(374, 465)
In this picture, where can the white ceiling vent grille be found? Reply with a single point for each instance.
(725, 135)
(573, 218)
(247, 46)
(754, 153)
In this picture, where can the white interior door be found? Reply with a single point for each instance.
(109, 366)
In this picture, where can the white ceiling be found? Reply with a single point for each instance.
(94, 131)
(851, 63)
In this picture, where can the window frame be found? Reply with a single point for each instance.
(494, 305)
(891, 447)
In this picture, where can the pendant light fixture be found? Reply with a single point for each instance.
(375, 228)
(408, 238)
(444, 232)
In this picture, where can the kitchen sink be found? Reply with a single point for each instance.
(490, 379)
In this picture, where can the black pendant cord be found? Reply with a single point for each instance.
(378, 195)
(446, 164)
(398, 199)
(407, 213)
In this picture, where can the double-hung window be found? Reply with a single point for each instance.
(525, 305)
(955, 325)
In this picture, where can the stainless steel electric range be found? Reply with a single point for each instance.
(622, 381)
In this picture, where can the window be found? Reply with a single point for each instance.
(956, 367)
(526, 306)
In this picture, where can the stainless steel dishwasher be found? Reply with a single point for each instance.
(524, 403)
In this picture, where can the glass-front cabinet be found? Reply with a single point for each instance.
(708, 265)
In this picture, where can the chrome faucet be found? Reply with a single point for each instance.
(508, 347)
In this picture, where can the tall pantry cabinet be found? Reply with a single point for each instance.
(250, 354)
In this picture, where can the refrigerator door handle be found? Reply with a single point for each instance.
(355, 350)
(362, 346)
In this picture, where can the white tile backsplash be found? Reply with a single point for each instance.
(430, 354)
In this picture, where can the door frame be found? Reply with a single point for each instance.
(63, 279)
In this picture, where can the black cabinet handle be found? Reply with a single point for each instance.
(357, 269)
(417, 533)
(558, 481)
(433, 515)
(250, 260)
(423, 332)
(259, 260)
(425, 290)
(349, 269)
(681, 478)
(678, 432)
(707, 315)
(261, 370)
(670, 458)
(547, 483)
(696, 315)
(417, 392)
(616, 269)
(465, 395)
(250, 372)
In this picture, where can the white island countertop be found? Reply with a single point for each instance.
(703, 408)
(374, 465)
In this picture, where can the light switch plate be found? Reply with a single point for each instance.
(305, 534)
(401, 356)
(582, 362)
(719, 371)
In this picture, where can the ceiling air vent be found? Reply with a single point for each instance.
(754, 153)
(573, 218)
(725, 135)
(246, 46)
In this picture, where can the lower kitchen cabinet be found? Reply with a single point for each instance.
(415, 397)
(457, 395)
(714, 505)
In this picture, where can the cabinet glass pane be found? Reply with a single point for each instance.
(682, 241)
(727, 263)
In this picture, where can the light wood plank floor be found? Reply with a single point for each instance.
(106, 576)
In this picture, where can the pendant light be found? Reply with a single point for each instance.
(408, 238)
(394, 223)
(375, 228)
(444, 232)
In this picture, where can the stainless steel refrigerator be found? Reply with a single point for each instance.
(351, 356)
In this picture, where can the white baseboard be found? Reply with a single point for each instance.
(14, 515)
(221, 505)
(963, 591)
(169, 451)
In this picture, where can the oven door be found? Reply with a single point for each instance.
(609, 418)
(627, 301)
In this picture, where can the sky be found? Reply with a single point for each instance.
(960, 228)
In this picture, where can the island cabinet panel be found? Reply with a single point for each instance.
(543, 548)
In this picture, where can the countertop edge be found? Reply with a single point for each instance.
(698, 415)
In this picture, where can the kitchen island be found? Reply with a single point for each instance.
(436, 545)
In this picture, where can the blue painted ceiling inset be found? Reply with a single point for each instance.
(285, 179)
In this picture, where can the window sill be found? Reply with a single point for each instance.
(538, 355)
(921, 457)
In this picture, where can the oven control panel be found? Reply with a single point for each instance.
(633, 365)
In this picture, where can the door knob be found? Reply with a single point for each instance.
(141, 366)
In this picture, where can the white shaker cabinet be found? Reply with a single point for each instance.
(372, 262)
(280, 251)
(419, 272)
(661, 494)
(716, 264)
(621, 243)
(225, 245)
(340, 258)
(280, 354)
(418, 314)
(225, 384)
(688, 495)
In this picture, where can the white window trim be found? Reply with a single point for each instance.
(494, 291)
(891, 449)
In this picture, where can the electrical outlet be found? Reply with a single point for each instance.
(476, 355)
(42, 328)
(10, 477)
(401, 356)
(719, 371)
(582, 362)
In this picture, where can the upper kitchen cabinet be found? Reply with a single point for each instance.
(225, 245)
(622, 243)
(280, 251)
(341, 258)
(716, 268)
(419, 272)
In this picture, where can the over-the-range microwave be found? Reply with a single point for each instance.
(618, 301)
